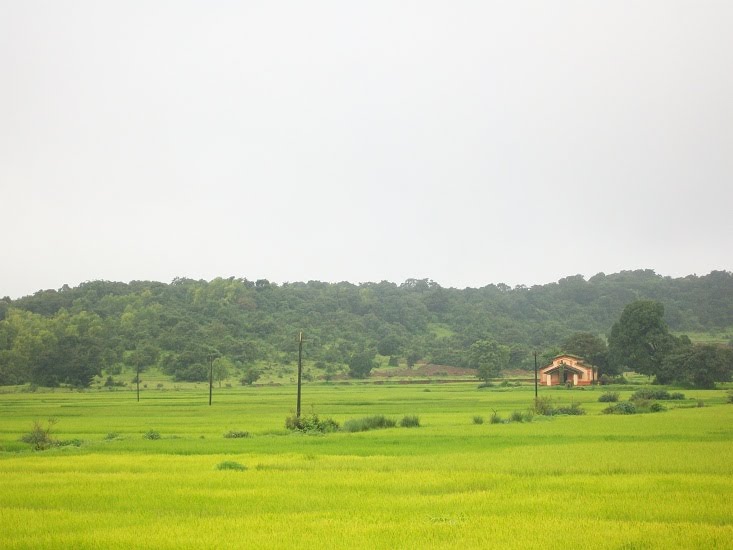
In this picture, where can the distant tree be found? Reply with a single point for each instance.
(389, 345)
(700, 366)
(251, 375)
(591, 348)
(361, 364)
(640, 339)
(222, 369)
(488, 358)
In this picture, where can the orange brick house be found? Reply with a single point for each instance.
(568, 368)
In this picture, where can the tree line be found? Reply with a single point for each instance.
(69, 335)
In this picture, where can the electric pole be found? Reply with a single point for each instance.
(300, 370)
(211, 377)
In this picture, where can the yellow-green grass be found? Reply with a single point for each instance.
(662, 480)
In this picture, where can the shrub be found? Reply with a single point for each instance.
(478, 419)
(662, 395)
(311, 423)
(621, 408)
(516, 416)
(543, 406)
(609, 397)
(151, 434)
(495, 418)
(69, 443)
(657, 407)
(574, 409)
(40, 435)
(230, 465)
(700, 403)
(368, 423)
(234, 434)
(410, 421)
(111, 435)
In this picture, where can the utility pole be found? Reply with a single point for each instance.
(211, 377)
(300, 370)
(535, 379)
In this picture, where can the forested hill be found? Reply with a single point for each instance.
(178, 325)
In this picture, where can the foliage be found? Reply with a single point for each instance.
(699, 366)
(488, 358)
(367, 423)
(495, 418)
(251, 375)
(68, 336)
(230, 465)
(624, 407)
(651, 393)
(236, 434)
(151, 435)
(609, 397)
(543, 405)
(311, 424)
(361, 364)
(640, 339)
(40, 435)
(410, 421)
(478, 419)
(574, 410)
(591, 348)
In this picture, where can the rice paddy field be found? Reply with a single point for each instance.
(658, 480)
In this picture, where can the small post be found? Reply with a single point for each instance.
(535, 379)
(211, 377)
(137, 380)
(300, 370)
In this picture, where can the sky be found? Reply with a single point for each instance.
(465, 142)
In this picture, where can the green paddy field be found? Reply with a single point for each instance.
(661, 480)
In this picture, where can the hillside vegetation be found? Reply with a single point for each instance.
(69, 335)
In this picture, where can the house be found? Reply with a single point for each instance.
(568, 369)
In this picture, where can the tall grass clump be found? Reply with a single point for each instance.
(620, 408)
(368, 423)
(311, 424)
(543, 406)
(495, 418)
(410, 421)
(235, 434)
(152, 435)
(40, 435)
(609, 397)
(231, 465)
(477, 419)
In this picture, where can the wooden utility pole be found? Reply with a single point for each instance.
(300, 370)
(211, 377)
(535, 379)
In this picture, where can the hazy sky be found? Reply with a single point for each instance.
(465, 142)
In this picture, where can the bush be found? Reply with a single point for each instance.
(574, 409)
(662, 395)
(151, 434)
(516, 416)
(111, 435)
(621, 408)
(410, 421)
(311, 424)
(495, 418)
(478, 419)
(230, 465)
(368, 423)
(233, 434)
(609, 397)
(657, 407)
(40, 435)
(543, 406)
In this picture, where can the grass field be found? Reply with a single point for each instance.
(662, 480)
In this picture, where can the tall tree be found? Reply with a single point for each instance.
(640, 339)
(590, 347)
(489, 358)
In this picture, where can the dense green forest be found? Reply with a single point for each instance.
(69, 335)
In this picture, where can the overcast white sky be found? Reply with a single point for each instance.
(465, 142)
